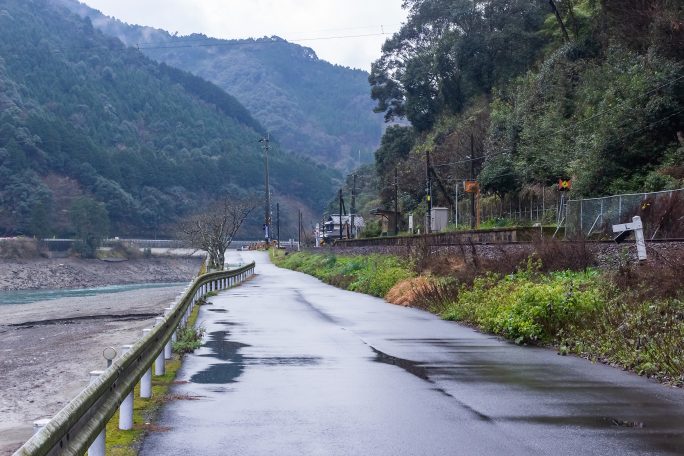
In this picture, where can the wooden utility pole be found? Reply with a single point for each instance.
(396, 202)
(353, 209)
(299, 230)
(473, 222)
(278, 224)
(428, 228)
(340, 213)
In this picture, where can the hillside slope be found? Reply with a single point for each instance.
(321, 110)
(82, 115)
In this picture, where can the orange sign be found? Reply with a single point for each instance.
(564, 185)
(471, 186)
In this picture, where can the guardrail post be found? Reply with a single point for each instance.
(146, 379)
(168, 348)
(126, 408)
(159, 363)
(98, 447)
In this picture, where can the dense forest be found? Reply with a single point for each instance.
(313, 107)
(84, 118)
(522, 93)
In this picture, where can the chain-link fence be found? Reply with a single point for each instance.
(662, 214)
(540, 206)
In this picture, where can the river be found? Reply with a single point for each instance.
(30, 296)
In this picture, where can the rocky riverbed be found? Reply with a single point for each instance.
(51, 273)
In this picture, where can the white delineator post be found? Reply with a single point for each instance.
(638, 228)
(146, 379)
(639, 236)
(126, 408)
(97, 448)
(159, 366)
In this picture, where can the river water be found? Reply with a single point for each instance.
(29, 296)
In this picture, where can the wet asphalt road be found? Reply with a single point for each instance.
(295, 367)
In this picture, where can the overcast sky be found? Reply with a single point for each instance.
(317, 24)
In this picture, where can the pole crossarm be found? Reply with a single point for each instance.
(75, 427)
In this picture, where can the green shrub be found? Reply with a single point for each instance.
(188, 339)
(526, 306)
(370, 274)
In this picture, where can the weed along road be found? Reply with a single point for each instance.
(292, 366)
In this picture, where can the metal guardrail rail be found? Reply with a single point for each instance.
(75, 427)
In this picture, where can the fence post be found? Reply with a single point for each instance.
(97, 448)
(146, 379)
(126, 408)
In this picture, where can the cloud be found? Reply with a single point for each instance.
(312, 23)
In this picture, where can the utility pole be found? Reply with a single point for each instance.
(299, 231)
(353, 209)
(428, 228)
(267, 205)
(472, 178)
(456, 205)
(278, 223)
(340, 213)
(396, 202)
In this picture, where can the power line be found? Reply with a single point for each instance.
(224, 43)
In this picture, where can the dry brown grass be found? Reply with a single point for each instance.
(21, 248)
(406, 292)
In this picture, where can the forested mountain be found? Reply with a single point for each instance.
(82, 116)
(314, 108)
(521, 93)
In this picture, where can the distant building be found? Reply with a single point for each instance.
(331, 227)
(387, 220)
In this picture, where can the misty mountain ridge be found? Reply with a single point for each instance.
(84, 116)
(313, 107)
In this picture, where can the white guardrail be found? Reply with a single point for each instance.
(80, 425)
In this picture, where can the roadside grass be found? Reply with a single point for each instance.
(632, 317)
(145, 411)
(370, 274)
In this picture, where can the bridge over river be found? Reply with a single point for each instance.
(295, 367)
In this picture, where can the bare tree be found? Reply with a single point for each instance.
(213, 230)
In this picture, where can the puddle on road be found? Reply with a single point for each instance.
(411, 367)
(217, 310)
(224, 350)
(234, 365)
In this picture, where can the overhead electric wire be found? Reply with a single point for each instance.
(243, 42)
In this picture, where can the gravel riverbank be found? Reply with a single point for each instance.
(48, 347)
(51, 273)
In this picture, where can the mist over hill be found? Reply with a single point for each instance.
(83, 116)
(313, 107)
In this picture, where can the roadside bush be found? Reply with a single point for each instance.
(188, 339)
(21, 248)
(644, 336)
(528, 306)
(370, 274)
